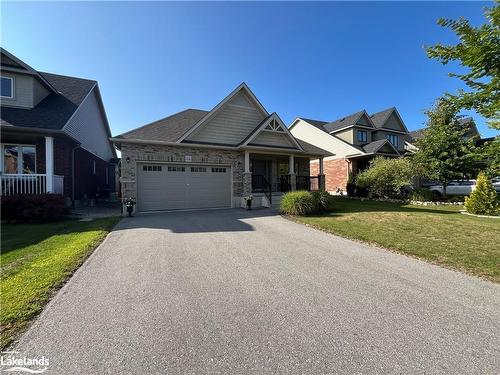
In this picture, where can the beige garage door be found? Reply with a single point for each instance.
(175, 187)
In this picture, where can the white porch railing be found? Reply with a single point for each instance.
(13, 184)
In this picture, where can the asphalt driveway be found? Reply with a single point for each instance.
(235, 292)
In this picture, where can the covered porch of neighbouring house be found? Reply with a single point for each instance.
(27, 165)
(270, 174)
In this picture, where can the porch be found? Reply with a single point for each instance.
(272, 174)
(24, 170)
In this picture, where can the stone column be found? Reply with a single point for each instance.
(247, 175)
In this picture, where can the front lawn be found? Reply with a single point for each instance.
(439, 234)
(36, 259)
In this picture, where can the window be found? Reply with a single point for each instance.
(94, 169)
(176, 169)
(393, 139)
(19, 159)
(219, 170)
(151, 168)
(362, 136)
(198, 169)
(7, 87)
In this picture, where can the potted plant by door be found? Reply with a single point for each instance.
(249, 199)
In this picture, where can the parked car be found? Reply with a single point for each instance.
(454, 188)
(496, 184)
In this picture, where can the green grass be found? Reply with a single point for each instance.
(37, 259)
(439, 234)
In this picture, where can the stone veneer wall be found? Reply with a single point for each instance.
(152, 153)
(336, 173)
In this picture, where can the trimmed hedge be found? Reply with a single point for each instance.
(30, 208)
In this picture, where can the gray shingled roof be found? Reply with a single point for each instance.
(168, 129)
(316, 123)
(311, 149)
(56, 109)
(379, 118)
(374, 146)
(419, 133)
(343, 122)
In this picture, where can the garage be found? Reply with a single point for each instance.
(182, 186)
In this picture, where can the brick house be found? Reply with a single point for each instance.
(213, 159)
(54, 134)
(354, 140)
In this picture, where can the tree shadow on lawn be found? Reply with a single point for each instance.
(345, 206)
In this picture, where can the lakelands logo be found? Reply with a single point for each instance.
(12, 362)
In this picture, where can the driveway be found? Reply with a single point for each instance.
(233, 292)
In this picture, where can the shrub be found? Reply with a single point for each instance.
(350, 187)
(361, 192)
(421, 195)
(483, 199)
(386, 178)
(28, 208)
(297, 203)
(322, 200)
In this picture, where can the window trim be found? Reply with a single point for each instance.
(19, 159)
(11, 88)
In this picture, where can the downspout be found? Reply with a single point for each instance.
(73, 176)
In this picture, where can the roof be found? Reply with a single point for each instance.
(374, 146)
(311, 149)
(343, 122)
(168, 129)
(56, 109)
(419, 133)
(379, 118)
(316, 123)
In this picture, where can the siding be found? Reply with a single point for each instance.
(382, 134)
(368, 136)
(39, 92)
(23, 91)
(231, 124)
(393, 123)
(364, 121)
(346, 135)
(319, 138)
(266, 138)
(89, 128)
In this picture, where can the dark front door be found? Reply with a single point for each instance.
(263, 168)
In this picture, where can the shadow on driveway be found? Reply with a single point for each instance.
(224, 220)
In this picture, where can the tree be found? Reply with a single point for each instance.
(386, 177)
(478, 51)
(444, 152)
(483, 199)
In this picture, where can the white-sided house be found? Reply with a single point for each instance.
(198, 159)
(354, 140)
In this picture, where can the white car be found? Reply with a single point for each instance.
(496, 184)
(455, 188)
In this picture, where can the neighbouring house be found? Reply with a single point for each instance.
(214, 159)
(354, 140)
(54, 134)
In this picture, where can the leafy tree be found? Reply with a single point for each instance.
(478, 51)
(386, 177)
(483, 199)
(444, 152)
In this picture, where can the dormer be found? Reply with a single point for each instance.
(21, 86)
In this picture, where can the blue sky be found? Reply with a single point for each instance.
(316, 60)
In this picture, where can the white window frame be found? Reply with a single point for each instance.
(19, 159)
(11, 88)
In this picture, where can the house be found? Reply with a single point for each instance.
(354, 140)
(54, 134)
(213, 159)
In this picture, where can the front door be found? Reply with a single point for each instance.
(263, 168)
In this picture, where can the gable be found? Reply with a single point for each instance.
(7, 61)
(232, 123)
(386, 148)
(394, 123)
(272, 132)
(272, 138)
(364, 120)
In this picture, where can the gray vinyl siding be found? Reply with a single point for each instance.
(231, 124)
(393, 123)
(267, 138)
(23, 91)
(355, 136)
(363, 121)
(39, 92)
(89, 128)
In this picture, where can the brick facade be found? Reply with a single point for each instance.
(336, 173)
